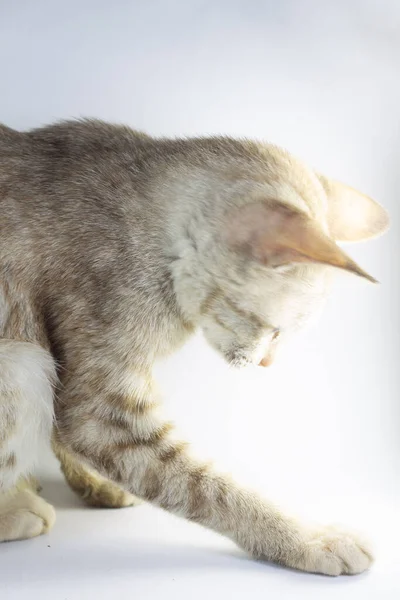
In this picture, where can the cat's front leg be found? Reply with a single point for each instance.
(131, 444)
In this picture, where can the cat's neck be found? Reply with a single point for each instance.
(194, 202)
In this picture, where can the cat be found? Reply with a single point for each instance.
(115, 247)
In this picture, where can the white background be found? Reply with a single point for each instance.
(318, 432)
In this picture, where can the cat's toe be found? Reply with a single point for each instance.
(26, 516)
(335, 552)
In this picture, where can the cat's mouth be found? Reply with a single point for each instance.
(240, 359)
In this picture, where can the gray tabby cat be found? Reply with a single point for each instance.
(114, 248)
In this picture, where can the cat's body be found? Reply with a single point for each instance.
(114, 248)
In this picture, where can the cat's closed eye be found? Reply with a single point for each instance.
(275, 334)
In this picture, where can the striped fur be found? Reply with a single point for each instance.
(114, 248)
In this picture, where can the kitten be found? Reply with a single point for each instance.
(114, 248)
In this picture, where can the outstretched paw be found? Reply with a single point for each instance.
(332, 551)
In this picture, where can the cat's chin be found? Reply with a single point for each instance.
(239, 361)
(243, 363)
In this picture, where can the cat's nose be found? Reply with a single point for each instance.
(266, 361)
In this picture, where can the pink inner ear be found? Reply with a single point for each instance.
(250, 224)
(275, 234)
(269, 232)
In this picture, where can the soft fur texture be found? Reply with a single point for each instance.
(114, 248)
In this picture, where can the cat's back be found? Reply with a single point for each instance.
(14, 152)
(70, 188)
(13, 147)
(70, 168)
(68, 152)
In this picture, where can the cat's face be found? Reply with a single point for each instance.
(249, 322)
(275, 276)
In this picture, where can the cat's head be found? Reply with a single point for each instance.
(271, 260)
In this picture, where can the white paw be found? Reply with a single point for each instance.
(332, 551)
(25, 515)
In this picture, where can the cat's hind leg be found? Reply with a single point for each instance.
(95, 490)
(27, 374)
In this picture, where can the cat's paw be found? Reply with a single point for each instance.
(24, 516)
(332, 551)
(108, 495)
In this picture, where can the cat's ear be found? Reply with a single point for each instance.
(352, 216)
(275, 234)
